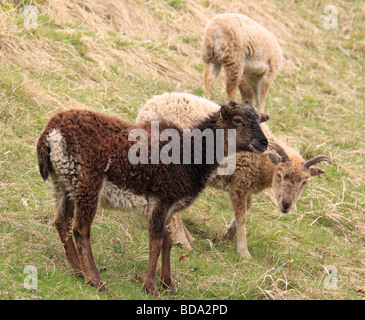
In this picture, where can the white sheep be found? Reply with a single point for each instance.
(284, 169)
(249, 53)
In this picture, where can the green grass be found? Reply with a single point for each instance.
(114, 59)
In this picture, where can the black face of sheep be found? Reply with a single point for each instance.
(246, 120)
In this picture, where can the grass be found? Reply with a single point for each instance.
(112, 57)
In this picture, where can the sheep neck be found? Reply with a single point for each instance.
(215, 124)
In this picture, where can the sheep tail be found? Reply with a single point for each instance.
(43, 151)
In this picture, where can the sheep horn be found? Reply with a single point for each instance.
(315, 160)
(281, 152)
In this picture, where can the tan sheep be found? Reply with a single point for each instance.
(249, 53)
(284, 169)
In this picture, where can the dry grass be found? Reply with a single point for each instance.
(113, 56)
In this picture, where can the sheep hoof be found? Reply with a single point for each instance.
(78, 273)
(230, 233)
(171, 289)
(152, 290)
(245, 255)
(168, 284)
(100, 285)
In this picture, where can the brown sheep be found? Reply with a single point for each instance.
(87, 156)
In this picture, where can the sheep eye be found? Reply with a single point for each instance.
(303, 183)
(237, 121)
(279, 176)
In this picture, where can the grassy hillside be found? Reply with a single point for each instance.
(111, 56)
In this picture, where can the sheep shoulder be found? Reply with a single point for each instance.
(232, 35)
(184, 109)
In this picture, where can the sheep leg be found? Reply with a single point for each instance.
(179, 234)
(263, 90)
(166, 251)
(63, 223)
(259, 90)
(86, 207)
(211, 71)
(254, 82)
(242, 248)
(246, 91)
(232, 228)
(156, 234)
(233, 76)
(241, 203)
(260, 86)
(188, 236)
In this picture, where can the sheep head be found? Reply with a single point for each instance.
(290, 176)
(246, 121)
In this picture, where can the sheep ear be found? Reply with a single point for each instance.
(225, 111)
(274, 158)
(316, 172)
(233, 104)
(264, 117)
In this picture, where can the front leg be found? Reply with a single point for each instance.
(241, 203)
(156, 230)
(246, 91)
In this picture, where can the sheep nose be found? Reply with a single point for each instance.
(260, 144)
(285, 206)
(264, 142)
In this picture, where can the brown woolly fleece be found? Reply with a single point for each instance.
(86, 155)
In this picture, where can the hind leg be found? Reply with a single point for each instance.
(81, 232)
(63, 223)
(246, 91)
(165, 278)
(263, 90)
(179, 233)
(86, 206)
(211, 71)
(260, 86)
(260, 90)
(234, 73)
